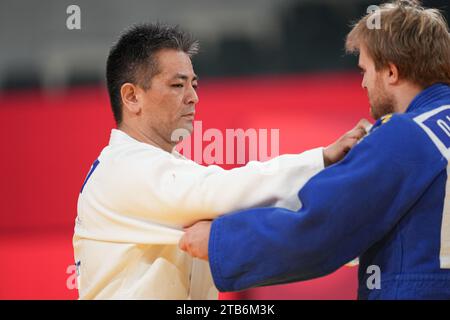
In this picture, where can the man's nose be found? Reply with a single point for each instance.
(192, 96)
(363, 83)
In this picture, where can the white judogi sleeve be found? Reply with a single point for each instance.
(145, 183)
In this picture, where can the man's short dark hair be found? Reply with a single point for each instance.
(132, 58)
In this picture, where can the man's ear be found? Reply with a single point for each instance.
(130, 97)
(393, 74)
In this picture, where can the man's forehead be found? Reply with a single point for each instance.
(363, 53)
(183, 76)
(175, 64)
(362, 60)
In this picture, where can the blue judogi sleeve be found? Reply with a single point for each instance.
(346, 209)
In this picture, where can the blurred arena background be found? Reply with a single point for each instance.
(263, 64)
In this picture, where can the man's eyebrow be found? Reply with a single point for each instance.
(185, 77)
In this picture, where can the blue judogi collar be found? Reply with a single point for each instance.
(425, 99)
(429, 96)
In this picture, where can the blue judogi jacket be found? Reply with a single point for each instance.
(387, 202)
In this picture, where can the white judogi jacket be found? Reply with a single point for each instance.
(135, 202)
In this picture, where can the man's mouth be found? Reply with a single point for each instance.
(189, 115)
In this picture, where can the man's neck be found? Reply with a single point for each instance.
(405, 96)
(151, 139)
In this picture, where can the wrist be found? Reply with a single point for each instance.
(326, 159)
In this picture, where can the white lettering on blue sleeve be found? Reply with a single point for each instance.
(436, 124)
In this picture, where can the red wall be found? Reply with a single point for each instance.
(50, 141)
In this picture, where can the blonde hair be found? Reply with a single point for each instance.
(415, 39)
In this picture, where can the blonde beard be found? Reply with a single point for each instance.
(383, 104)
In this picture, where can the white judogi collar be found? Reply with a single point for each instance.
(118, 137)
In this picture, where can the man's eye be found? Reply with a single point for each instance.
(177, 85)
(195, 86)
